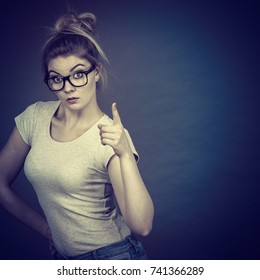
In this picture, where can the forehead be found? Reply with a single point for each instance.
(63, 64)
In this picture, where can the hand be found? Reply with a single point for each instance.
(114, 135)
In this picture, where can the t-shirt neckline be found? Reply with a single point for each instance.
(88, 131)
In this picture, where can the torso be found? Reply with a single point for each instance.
(71, 181)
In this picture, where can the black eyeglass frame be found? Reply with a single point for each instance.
(67, 78)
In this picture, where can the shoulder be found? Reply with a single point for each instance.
(46, 106)
(33, 117)
(36, 111)
(42, 109)
(41, 106)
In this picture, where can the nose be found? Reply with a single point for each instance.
(68, 87)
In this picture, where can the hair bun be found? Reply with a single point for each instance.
(85, 21)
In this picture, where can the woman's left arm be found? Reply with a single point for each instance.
(133, 198)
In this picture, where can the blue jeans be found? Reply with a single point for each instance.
(128, 249)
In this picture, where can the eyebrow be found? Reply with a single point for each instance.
(73, 68)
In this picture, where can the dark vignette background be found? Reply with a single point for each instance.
(185, 75)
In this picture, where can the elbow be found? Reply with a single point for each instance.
(141, 225)
(143, 231)
(147, 226)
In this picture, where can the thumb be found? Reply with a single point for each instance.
(115, 114)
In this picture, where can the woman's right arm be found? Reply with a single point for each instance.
(12, 158)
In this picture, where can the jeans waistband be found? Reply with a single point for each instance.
(128, 241)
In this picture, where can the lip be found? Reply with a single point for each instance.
(72, 100)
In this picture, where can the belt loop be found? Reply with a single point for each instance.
(132, 239)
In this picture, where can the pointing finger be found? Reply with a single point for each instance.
(116, 117)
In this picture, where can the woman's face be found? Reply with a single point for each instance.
(72, 95)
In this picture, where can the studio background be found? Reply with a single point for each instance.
(185, 75)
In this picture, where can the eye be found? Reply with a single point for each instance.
(57, 79)
(78, 75)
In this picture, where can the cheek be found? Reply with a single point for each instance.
(59, 95)
(87, 90)
(92, 82)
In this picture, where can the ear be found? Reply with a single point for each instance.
(98, 71)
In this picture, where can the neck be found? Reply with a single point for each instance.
(79, 118)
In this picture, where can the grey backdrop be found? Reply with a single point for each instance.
(185, 75)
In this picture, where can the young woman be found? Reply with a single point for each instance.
(76, 157)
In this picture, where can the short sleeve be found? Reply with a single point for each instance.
(25, 123)
(132, 145)
(108, 151)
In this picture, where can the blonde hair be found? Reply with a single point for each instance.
(74, 35)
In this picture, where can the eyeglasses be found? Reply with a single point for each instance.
(77, 79)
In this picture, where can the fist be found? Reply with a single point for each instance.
(114, 135)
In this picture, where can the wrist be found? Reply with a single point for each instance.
(126, 156)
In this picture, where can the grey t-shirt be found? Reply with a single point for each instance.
(71, 182)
